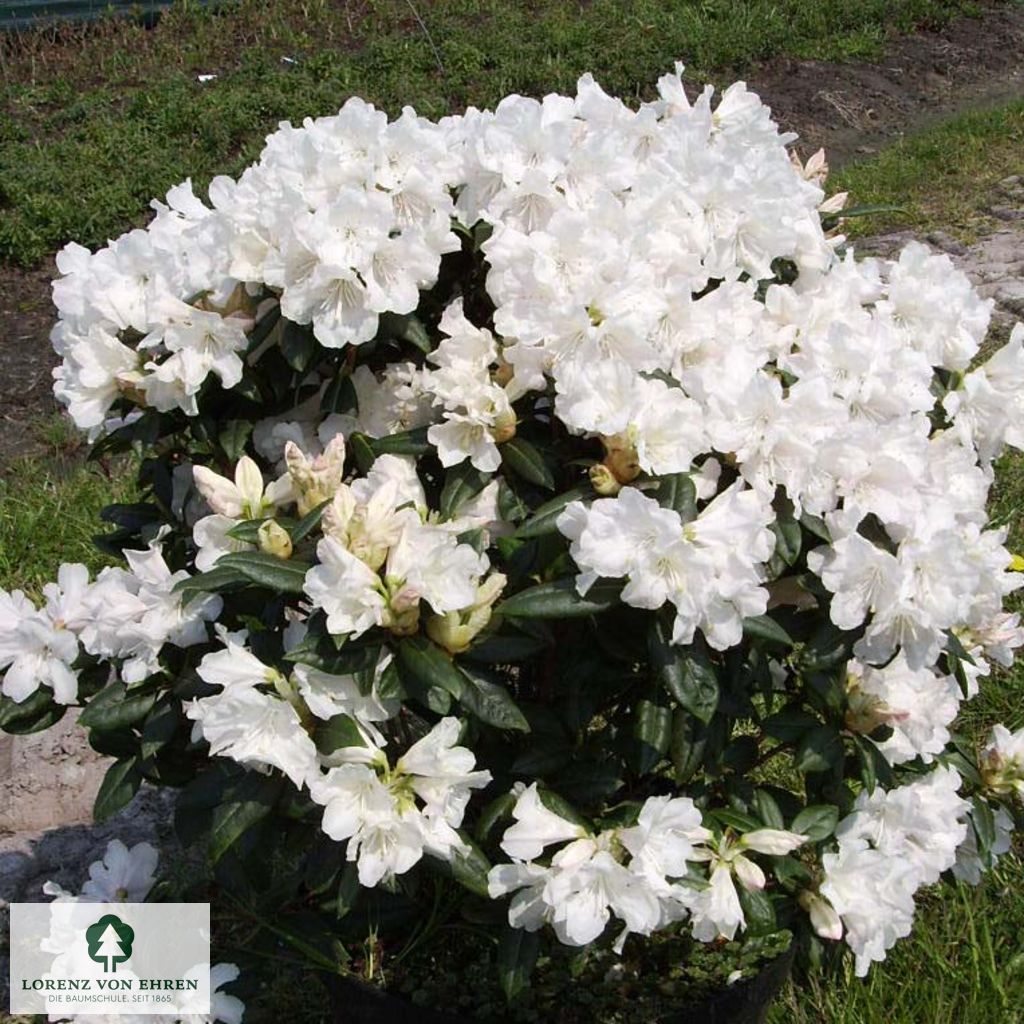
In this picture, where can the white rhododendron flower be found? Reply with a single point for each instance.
(892, 844)
(392, 816)
(710, 569)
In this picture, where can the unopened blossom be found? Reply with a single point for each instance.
(316, 480)
(245, 496)
(1002, 762)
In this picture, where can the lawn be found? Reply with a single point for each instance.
(93, 128)
(90, 131)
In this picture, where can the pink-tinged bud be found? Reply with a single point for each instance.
(316, 480)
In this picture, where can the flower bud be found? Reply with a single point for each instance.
(504, 428)
(865, 712)
(750, 875)
(455, 631)
(317, 480)
(273, 540)
(1001, 763)
(623, 463)
(602, 479)
(824, 919)
(775, 841)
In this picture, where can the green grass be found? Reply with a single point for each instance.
(942, 178)
(49, 513)
(93, 128)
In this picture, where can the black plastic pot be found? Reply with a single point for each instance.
(746, 1002)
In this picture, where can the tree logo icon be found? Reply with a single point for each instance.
(110, 941)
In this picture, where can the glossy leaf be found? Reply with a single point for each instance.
(526, 461)
(545, 518)
(119, 785)
(277, 574)
(560, 600)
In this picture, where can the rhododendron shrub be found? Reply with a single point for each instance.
(544, 521)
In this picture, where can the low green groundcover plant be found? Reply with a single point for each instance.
(550, 533)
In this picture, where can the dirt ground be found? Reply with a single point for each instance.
(854, 110)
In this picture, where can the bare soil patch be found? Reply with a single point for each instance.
(855, 109)
(26, 358)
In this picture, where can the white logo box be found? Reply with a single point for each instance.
(100, 958)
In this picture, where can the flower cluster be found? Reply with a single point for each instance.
(638, 873)
(554, 466)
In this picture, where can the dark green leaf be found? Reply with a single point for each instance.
(35, 713)
(462, 483)
(247, 801)
(218, 579)
(308, 522)
(499, 809)
(687, 745)
(114, 707)
(336, 733)
(277, 574)
(732, 818)
(984, 821)
(362, 451)
(687, 673)
(119, 785)
(560, 806)
(544, 519)
(502, 649)
(678, 493)
(819, 750)
(405, 327)
(790, 724)
(339, 396)
(767, 809)
(758, 911)
(560, 600)
(788, 538)
(511, 507)
(470, 868)
(652, 729)
(763, 627)
(298, 345)
(426, 663)
(233, 438)
(518, 950)
(816, 822)
(247, 531)
(131, 515)
(261, 331)
(160, 727)
(491, 703)
(816, 526)
(524, 460)
(409, 442)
